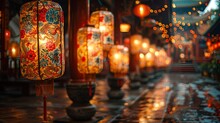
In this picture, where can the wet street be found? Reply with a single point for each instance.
(172, 98)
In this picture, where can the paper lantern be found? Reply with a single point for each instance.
(14, 50)
(42, 40)
(145, 45)
(7, 35)
(149, 59)
(152, 48)
(124, 27)
(141, 10)
(89, 50)
(135, 43)
(104, 21)
(142, 60)
(42, 45)
(118, 59)
(207, 54)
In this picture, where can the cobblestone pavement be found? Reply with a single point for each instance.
(175, 98)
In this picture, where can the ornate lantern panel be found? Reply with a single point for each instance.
(89, 50)
(119, 59)
(104, 21)
(42, 40)
(135, 43)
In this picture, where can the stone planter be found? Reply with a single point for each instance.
(115, 85)
(81, 94)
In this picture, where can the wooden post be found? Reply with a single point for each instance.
(79, 89)
(4, 25)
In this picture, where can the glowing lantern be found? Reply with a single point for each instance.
(142, 61)
(141, 10)
(149, 59)
(168, 61)
(152, 48)
(14, 50)
(42, 45)
(42, 40)
(207, 54)
(89, 51)
(119, 59)
(7, 35)
(135, 41)
(104, 21)
(124, 27)
(145, 45)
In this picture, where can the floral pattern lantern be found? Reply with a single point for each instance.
(135, 43)
(42, 45)
(104, 21)
(42, 40)
(89, 50)
(119, 60)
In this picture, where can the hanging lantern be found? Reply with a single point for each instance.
(14, 50)
(104, 21)
(119, 60)
(135, 41)
(89, 50)
(42, 45)
(145, 45)
(42, 40)
(141, 10)
(124, 27)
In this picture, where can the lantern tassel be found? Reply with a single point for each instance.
(45, 108)
(45, 88)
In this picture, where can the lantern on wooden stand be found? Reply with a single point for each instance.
(119, 65)
(42, 45)
(135, 47)
(104, 21)
(89, 63)
(89, 53)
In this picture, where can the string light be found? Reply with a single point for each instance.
(159, 10)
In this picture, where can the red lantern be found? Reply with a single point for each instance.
(141, 10)
(7, 35)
